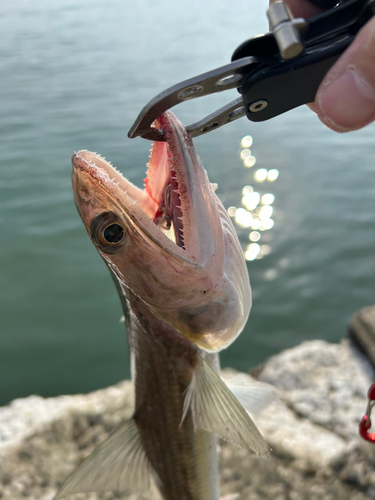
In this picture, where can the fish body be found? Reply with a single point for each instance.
(189, 469)
(180, 272)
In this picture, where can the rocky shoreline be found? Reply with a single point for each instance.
(312, 430)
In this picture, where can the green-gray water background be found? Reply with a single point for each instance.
(74, 74)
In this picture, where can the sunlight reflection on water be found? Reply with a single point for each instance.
(258, 210)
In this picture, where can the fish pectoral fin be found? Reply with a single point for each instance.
(215, 409)
(254, 396)
(117, 464)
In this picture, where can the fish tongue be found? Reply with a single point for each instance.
(162, 186)
(158, 172)
(163, 190)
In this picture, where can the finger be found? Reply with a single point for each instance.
(311, 105)
(346, 97)
(301, 8)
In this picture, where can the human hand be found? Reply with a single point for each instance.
(345, 99)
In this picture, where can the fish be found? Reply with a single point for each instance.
(180, 272)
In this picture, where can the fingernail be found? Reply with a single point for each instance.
(348, 102)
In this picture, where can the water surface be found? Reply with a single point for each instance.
(75, 74)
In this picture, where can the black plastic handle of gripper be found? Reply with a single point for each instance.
(326, 4)
(286, 84)
(291, 85)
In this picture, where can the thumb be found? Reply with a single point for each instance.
(345, 99)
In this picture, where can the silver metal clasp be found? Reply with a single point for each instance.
(286, 30)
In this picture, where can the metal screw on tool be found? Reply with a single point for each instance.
(256, 106)
(190, 92)
(286, 30)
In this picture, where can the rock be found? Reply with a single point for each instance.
(34, 414)
(324, 383)
(362, 331)
(43, 440)
(312, 428)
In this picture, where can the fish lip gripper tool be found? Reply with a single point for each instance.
(274, 73)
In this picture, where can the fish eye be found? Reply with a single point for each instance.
(113, 233)
(108, 232)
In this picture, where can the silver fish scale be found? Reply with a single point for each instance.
(184, 460)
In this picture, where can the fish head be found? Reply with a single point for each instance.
(171, 244)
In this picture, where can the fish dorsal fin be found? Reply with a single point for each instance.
(117, 464)
(215, 409)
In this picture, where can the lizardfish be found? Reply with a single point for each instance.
(182, 279)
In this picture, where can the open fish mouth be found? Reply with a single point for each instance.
(173, 209)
